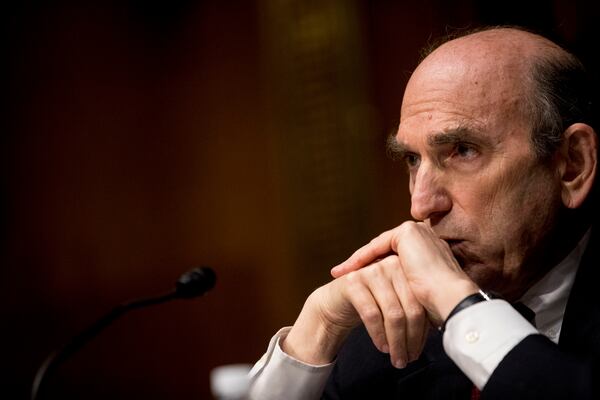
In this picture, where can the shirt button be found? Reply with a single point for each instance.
(472, 336)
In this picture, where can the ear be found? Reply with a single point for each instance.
(579, 154)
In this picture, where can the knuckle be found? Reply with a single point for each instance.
(405, 230)
(396, 316)
(390, 261)
(378, 269)
(408, 227)
(414, 313)
(352, 278)
(373, 272)
(370, 315)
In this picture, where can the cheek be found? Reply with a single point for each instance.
(517, 209)
(511, 186)
(503, 202)
(485, 199)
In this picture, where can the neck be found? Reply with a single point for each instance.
(570, 227)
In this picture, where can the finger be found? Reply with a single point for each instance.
(394, 317)
(368, 310)
(377, 248)
(414, 314)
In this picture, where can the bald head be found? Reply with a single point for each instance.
(537, 79)
(499, 42)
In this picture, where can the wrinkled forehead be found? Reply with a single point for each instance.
(476, 81)
(470, 73)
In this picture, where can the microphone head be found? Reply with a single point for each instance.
(195, 282)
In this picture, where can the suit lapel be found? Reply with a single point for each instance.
(580, 333)
(436, 377)
(362, 372)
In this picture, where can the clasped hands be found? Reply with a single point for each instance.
(397, 285)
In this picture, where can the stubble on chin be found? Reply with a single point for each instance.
(481, 272)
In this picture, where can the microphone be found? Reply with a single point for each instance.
(195, 282)
(191, 284)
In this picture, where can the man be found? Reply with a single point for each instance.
(502, 157)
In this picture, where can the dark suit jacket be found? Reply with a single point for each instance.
(535, 369)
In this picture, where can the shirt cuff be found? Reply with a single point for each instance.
(279, 376)
(479, 337)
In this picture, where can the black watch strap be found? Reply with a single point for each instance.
(468, 302)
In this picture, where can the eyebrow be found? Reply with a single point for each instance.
(462, 134)
(395, 150)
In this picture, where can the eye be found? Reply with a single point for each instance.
(412, 160)
(465, 151)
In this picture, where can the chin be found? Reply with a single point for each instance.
(484, 276)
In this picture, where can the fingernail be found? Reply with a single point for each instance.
(385, 348)
(399, 364)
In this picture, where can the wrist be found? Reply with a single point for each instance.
(313, 338)
(448, 298)
(467, 302)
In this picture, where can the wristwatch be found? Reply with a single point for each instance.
(468, 302)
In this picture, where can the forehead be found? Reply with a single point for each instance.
(457, 89)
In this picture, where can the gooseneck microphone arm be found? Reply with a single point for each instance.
(191, 284)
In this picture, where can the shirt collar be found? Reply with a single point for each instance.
(548, 297)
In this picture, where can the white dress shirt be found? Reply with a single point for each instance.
(476, 338)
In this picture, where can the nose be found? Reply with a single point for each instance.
(429, 196)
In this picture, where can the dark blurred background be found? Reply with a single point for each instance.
(144, 138)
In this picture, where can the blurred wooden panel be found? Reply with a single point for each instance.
(145, 139)
(325, 129)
